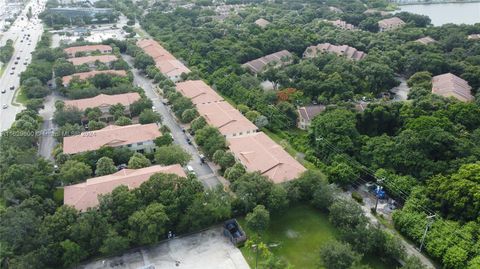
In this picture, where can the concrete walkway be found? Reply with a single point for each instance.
(207, 249)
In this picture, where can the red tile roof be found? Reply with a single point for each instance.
(113, 136)
(425, 40)
(92, 59)
(257, 65)
(309, 112)
(226, 118)
(84, 75)
(198, 92)
(164, 60)
(341, 50)
(126, 99)
(258, 152)
(393, 22)
(85, 195)
(449, 85)
(88, 48)
(262, 22)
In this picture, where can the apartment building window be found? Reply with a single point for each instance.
(139, 143)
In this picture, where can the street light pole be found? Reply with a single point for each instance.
(429, 223)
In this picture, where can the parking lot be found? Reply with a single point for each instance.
(207, 249)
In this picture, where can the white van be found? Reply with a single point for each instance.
(190, 170)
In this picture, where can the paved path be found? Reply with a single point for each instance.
(47, 140)
(207, 249)
(402, 90)
(369, 202)
(204, 171)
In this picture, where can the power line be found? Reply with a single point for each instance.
(402, 194)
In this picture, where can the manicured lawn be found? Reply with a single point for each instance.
(21, 97)
(296, 235)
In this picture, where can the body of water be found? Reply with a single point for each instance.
(458, 13)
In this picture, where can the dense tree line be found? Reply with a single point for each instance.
(6, 51)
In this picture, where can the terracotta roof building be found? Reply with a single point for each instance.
(371, 11)
(474, 37)
(262, 23)
(449, 85)
(342, 25)
(390, 24)
(425, 40)
(88, 49)
(85, 75)
(198, 92)
(164, 60)
(258, 152)
(90, 60)
(277, 59)
(335, 9)
(85, 195)
(137, 137)
(306, 115)
(342, 50)
(229, 121)
(104, 102)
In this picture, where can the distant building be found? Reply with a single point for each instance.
(335, 9)
(259, 153)
(104, 102)
(72, 12)
(360, 106)
(346, 51)
(136, 137)
(85, 75)
(375, 11)
(306, 115)
(72, 51)
(90, 60)
(229, 121)
(474, 37)
(449, 85)
(164, 60)
(85, 195)
(342, 25)
(276, 59)
(198, 92)
(390, 24)
(262, 23)
(425, 40)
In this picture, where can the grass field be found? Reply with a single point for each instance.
(20, 97)
(298, 234)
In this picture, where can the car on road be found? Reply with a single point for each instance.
(4, 106)
(18, 58)
(16, 62)
(189, 141)
(4, 91)
(11, 73)
(190, 170)
(12, 88)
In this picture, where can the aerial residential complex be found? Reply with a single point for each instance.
(343, 50)
(276, 59)
(90, 60)
(86, 194)
(164, 61)
(449, 85)
(104, 102)
(136, 137)
(86, 75)
(88, 49)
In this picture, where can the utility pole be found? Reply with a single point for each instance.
(256, 254)
(429, 223)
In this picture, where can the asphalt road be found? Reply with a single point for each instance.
(23, 49)
(47, 140)
(204, 172)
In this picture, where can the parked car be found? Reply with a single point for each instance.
(234, 232)
(5, 106)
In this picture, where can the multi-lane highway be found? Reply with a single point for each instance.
(25, 35)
